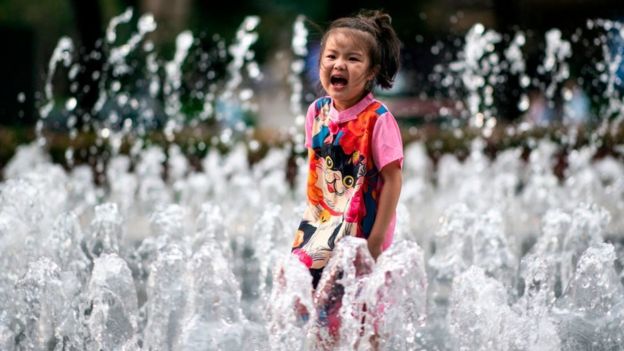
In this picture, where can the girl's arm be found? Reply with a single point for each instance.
(388, 200)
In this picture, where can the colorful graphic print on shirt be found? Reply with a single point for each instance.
(342, 183)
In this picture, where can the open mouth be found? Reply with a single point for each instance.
(331, 188)
(338, 81)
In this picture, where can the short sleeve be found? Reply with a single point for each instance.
(309, 122)
(387, 145)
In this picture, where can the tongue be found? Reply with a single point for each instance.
(331, 188)
(339, 82)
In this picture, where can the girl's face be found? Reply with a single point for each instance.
(345, 67)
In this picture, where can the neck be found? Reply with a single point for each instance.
(343, 105)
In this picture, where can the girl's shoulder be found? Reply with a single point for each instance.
(379, 108)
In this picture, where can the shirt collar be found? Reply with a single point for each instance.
(352, 112)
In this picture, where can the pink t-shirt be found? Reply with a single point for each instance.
(386, 144)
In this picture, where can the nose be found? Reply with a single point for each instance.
(332, 175)
(340, 64)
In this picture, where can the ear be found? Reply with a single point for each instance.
(370, 78)
(372, 73)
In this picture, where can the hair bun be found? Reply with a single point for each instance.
(380, 18)
(383, 19)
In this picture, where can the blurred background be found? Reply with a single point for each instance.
(469, 67)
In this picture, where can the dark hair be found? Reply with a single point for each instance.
(384, 51)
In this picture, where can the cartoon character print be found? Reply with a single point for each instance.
(336, 176)
(340, 173)
(341, 186)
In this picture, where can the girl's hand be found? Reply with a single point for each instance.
(374, 245)
(388, 200)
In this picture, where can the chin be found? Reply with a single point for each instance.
(336, 207)
(333, 92)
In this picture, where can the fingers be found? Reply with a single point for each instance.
(375, 249)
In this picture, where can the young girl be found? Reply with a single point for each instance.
(354, 143)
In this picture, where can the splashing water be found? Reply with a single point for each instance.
(479, 69)
(290, 308)
(227, 270)
(590, 310)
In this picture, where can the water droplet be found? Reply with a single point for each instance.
(105, 133)
(71, 103)
(146, 23)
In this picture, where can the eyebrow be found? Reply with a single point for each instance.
(356, 53)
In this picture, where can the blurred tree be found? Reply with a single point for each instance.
(88, 19)
(17, 90)
(28, 33)
(131, 3)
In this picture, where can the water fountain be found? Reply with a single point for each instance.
(490, 253)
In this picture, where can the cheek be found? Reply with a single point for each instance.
(347, 193)
(323, 74)
(363, 78)
(325, 66)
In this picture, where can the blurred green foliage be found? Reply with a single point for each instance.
(196, 142)
(49, 16)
